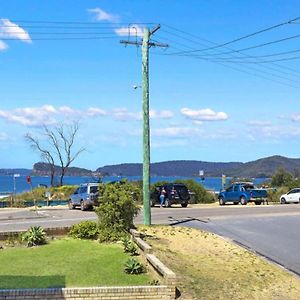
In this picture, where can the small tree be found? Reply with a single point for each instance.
(116, 211)
(281, 178)
(60, 144)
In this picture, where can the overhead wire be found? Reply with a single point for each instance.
(245, 36)
(275, 66)
(226, 65)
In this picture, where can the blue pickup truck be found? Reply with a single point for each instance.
(242, 192)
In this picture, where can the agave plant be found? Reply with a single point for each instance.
(34, 236)
(132, 266)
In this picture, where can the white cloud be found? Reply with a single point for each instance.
(133, 30)
(101, 15)
(3, 46)
(95, 111)
(46, 115)
(122, 114)
(9, 29)
(197, 122)
(175, 132)
(162, 114)
(4, 137)
(258, 123)
(296, 118)
(206, 114)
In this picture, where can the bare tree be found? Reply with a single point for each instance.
(45, 154)
(61, 141)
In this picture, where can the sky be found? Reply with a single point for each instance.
(62, 61)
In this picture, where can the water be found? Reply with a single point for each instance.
(21, 185)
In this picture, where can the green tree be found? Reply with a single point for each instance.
(199, 193)
(281, 178)
(117, 208)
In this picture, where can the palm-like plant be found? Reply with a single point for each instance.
(34, 236)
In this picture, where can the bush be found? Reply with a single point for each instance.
(129, 246)
(281, 178)
(132, 266)
(200, 194)
(34, 236)
(274, 195)
(116, 211)
(84, 230)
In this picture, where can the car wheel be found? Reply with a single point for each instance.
(167, 203)
(243, 201)
(82, 207)
(282, 201)
(184, 204)
(257, 202)
(221, 201)
(70, 205)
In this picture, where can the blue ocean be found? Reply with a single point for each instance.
(9, 183)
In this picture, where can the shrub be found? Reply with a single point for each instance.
(84, 230)
(274, 195)
(129, 246)
(116, 211)
(132, 266)
(200, 194)
(34, 236)
(281, 178)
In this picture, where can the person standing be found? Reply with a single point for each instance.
(162, 196)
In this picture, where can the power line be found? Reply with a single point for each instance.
(276, 66)
(62, 38)
(243, 37)
(76, 22)
(256, 62)
(223, 64)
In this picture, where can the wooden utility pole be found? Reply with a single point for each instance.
(146, 44)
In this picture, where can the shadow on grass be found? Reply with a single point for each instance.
(27, 282)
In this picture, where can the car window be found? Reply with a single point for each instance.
(93, 189)
(229, 189)
(292, 192)
(235, 189)
(83, 189)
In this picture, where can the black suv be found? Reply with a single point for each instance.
(177, 193)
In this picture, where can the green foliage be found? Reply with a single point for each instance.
(116, 210)
(84, 230)
(57, 193)
(281, 178)
(34, 236)
(274, 195)
(129, 246)
(200, 194)
(132, 266)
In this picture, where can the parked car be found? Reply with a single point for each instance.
(293, 196)
(176, 193)
(86, 196)
(242, 192)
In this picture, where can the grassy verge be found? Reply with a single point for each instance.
(212, 268)
(66, 263)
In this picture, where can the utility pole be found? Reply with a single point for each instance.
(146, 44)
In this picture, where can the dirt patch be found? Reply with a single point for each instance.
(209, 267)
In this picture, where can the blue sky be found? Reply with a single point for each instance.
(201, 108)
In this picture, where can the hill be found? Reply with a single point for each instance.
(264, 167)
(42, 169)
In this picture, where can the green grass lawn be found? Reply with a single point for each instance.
(66, 263)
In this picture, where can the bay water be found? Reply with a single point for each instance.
(9, 184)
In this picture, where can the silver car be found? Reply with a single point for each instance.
(293, 196)
(86, 196)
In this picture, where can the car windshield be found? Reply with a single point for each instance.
(93, 189)
(248, 187)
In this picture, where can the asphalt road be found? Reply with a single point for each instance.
(271, 231)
